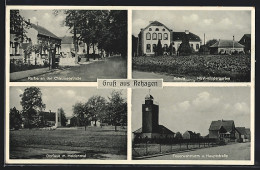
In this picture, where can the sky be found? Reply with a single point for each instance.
(65, 97)
(48, 20)
(215, 24)
(193, 108)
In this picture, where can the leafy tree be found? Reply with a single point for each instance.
(117, 109)
(63, 116)
(185, 48)
(211, 42)
(96, 108)
(15, 119)
(159, 48)
(32, 104)
(80, 111)
(178, 135)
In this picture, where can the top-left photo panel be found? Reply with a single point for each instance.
(66, 45)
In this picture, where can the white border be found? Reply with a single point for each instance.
(129, 91)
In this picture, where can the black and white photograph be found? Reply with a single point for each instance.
(191, 123)
(67, 123)
(192, 45)
(67, 45)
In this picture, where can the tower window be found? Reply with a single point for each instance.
(154, 36)
(148, 36)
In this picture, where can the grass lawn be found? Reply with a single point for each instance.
(95, 142)
(234, 67)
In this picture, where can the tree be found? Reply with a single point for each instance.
(159, 48)
(178, 136)
(15, 119)
(117, 109)
(211, 42)
(63, 116)
(96, 108)
(185, 48)
(80, 111)
(32, 104)
(171, 49)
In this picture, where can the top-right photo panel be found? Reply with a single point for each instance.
(192, 45)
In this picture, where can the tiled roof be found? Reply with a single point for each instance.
(156, 23)
(248, 35)
(43, 31)
(179, 36)
(67, 40)
(162, 130)
(241, 130)
(247, 130)
(226, 124)
(227, 44)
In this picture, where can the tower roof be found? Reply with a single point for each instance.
(148, 97)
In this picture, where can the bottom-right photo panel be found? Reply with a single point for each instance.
(191, 123)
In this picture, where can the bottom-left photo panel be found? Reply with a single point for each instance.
(66, 123)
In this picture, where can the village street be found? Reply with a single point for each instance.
(113, 67)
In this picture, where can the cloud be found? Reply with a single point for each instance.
(190, 18)
(225, 22)
(208, 21)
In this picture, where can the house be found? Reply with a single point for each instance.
(194, 40)
(222, 130)
(150, 122)
(226, 47)
(243, 134)
(248, 134)
(46, 44)
(149, 37)
(190, 135)
(246, 41)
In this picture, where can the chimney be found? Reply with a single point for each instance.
(187, 32)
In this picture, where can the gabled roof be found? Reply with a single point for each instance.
(227, 44)
(247, 35)
(179, 36)
(67, 40)
(247, 130)
(43, 31)
(226, 124)
(241, 130)
(162, 130)
(156, 23)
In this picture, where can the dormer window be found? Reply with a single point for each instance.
(150, 29)
(157, 29)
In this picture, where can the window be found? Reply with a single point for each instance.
(148, 48)
(154, 36)
(197, 46)
(154, 47)
(165, 36)
(163, 29)
(148, 36)
(160, 36)
(191, 45)
(157, 29)
(150, 29)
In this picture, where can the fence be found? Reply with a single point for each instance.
(155, 147)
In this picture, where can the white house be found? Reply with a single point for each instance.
(149, 36)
